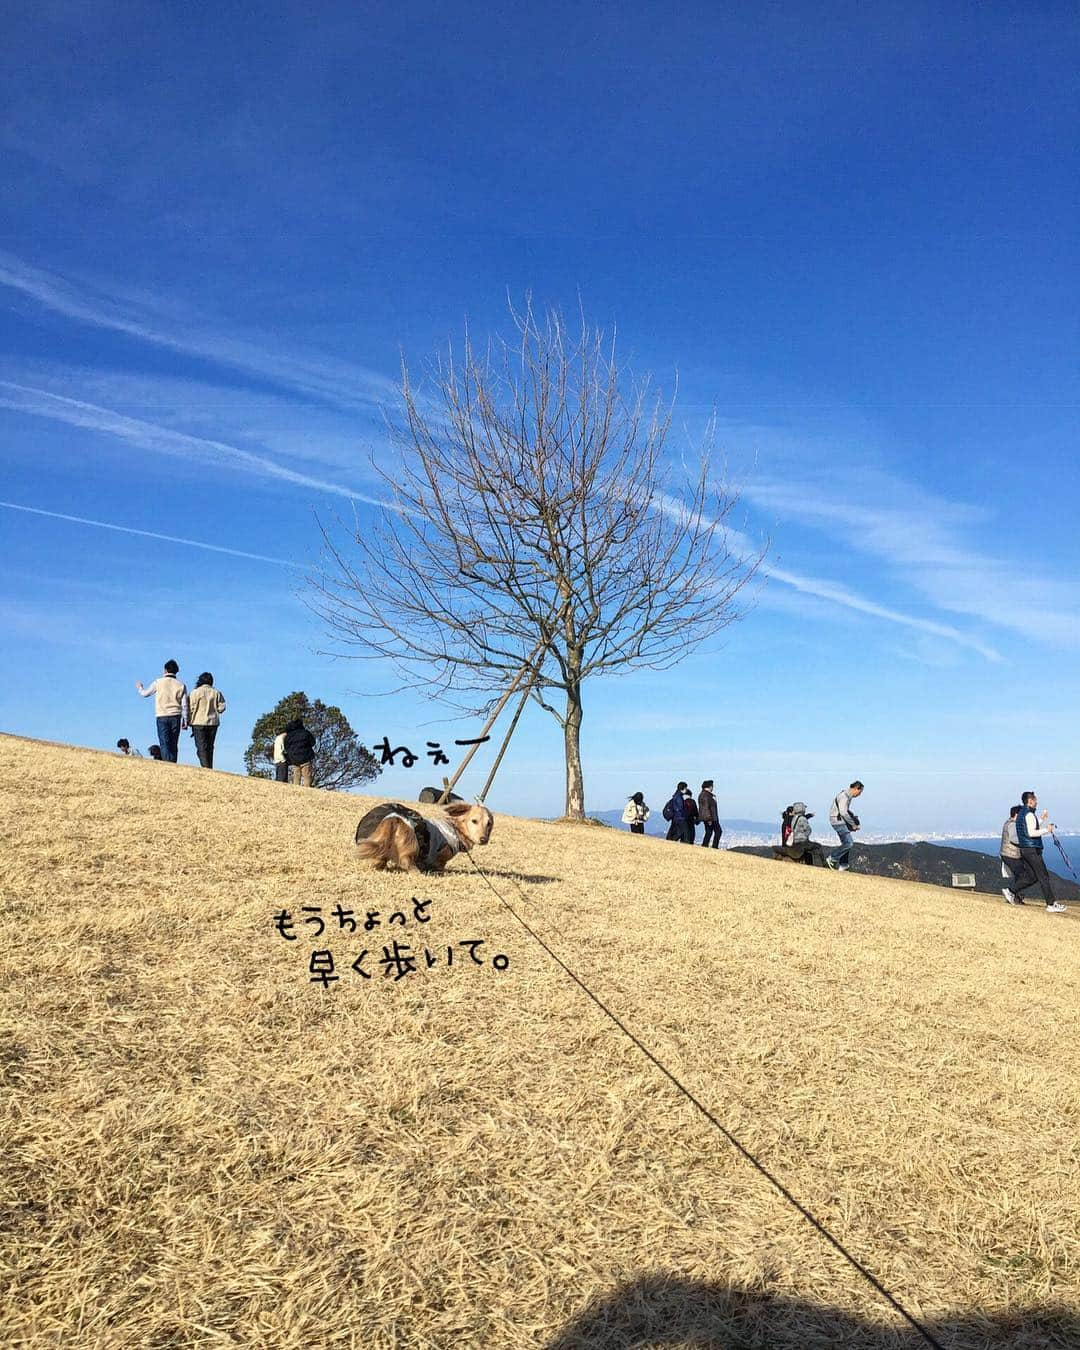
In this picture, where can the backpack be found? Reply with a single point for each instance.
(667, 811)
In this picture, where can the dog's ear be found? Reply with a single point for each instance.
(453, 809)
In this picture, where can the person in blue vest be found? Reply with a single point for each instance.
(675, 812)
(1031, 828)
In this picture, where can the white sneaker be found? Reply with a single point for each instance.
(843, 867)
(1010, 899)
(1057, 908)
(829, 862)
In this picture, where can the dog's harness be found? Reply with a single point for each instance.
(430, 835)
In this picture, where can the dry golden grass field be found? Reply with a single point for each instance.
(204, 1147)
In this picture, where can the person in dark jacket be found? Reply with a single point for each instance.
(708, 815)
(675, 812)
(691, 817)
(299, 752)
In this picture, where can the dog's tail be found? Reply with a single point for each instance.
(391, 841)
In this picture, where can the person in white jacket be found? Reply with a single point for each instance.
(205, 706)
(281, 764)
(170, 708)
(636, 813)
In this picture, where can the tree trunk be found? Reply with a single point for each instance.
(575, 785)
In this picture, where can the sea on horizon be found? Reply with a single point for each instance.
(1053, 859)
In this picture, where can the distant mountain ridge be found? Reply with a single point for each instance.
(932, 865)
(656, 824)
(746, 832)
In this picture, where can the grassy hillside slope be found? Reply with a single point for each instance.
(203, 1147)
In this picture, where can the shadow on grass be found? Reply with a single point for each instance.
(521, 876)
(665, 1310)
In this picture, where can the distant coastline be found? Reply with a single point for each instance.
(754, 833)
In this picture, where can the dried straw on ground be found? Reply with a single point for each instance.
(204, 1148)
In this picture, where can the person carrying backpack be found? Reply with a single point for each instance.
(675, 813)
(708, 815)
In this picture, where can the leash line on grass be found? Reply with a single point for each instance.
(739, 1147)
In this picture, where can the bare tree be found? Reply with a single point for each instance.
(534, 523)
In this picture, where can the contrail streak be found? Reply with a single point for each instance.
(149, 534)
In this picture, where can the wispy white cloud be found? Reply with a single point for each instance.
(136, 431)
(838, 594)
(849, 599)
(312, 374)
(922, 538)
(864, 516)
(148, 534)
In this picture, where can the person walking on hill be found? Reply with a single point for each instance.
(785, 826)
(845, 822)
(1030, 831)
(675, 813)
(691, 816)
(708, 815)
(205, 707)
(281, 764)
(170, 708)
(124, 746)
(299, 752)
(636, 813)
(1015, 869)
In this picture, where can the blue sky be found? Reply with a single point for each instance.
(851, 230)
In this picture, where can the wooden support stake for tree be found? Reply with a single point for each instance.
(506, 740)
(490, 723)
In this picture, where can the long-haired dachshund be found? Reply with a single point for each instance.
(392, 833)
